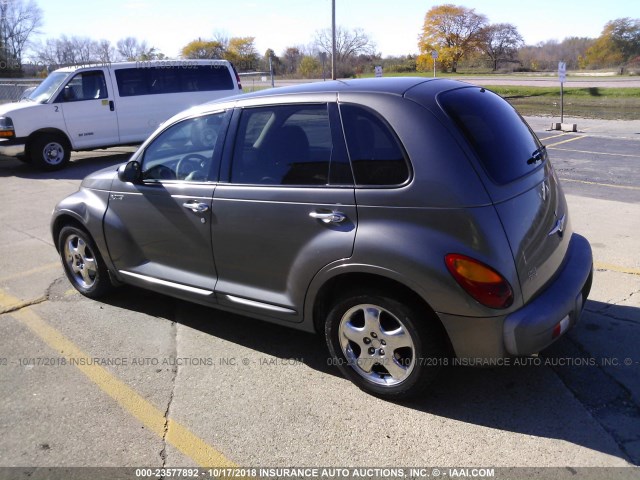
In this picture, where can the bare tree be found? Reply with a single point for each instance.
(19, 20)
(500, 42)
(104, 52)
(349, 44)
(131, 49)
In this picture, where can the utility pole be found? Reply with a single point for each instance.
(333, 39)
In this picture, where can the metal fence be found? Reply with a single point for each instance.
(12, 88)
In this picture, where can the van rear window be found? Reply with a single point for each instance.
(158, 80)
(502, 140)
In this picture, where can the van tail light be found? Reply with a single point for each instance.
(237, 76)
(483, 283)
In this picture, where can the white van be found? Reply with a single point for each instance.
(100, 106)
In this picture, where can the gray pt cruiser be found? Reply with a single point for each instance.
(409, 220)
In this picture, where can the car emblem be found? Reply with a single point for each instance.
(558, 227)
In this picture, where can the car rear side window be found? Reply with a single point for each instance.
(502, 140)
(376, 155)
(152, 80)
(283, 145)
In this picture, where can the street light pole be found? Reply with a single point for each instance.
(333, 39)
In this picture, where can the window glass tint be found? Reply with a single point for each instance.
(376, 155)
(502, 140)
(85, 86)
(187, 151)
(283, 145)
(151, 80)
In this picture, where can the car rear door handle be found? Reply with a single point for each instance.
(112, 106)
(196, 207)
(329, 217)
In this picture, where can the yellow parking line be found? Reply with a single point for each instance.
(26, 273)
(586, 182)
(554, 136)
(573, 139)
(599, 153)
(130, 400)
(616, 268)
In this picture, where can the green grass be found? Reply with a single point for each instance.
(592, 102)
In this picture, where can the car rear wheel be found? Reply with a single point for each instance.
(49, 152)
(82, 263)
(387, 348)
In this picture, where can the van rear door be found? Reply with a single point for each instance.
(87, 105)
(519, 179)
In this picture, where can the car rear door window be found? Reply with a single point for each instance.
(283, 145)
(376, 154)
(502, 140)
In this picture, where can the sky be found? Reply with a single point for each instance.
(394, 25)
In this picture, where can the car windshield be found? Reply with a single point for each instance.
(47, 88)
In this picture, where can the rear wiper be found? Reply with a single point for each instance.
(536, 156)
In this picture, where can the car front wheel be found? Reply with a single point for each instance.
(82, 263)
(388, 348)
(49, 152)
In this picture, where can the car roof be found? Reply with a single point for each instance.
(179, 63)
(398, 86)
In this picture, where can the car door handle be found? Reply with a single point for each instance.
(196, 207)
(329, 217)
(112, 106)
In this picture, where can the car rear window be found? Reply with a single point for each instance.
(502, 140)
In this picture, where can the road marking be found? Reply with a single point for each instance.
(555, 136)
(616, 268)
(598, 153)
(26, 273)
(131, 401)
(626, 187)
(567, 141)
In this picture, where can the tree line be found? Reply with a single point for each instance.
(462, 37)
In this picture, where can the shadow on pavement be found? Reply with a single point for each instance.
(556, 395)
(79, 167)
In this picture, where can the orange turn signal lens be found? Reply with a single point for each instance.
(480, 281)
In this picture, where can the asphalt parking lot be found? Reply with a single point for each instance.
(142, 379)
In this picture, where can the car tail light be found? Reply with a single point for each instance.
(483, 283)
(237, 76)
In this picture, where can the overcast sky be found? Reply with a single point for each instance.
(393, 25)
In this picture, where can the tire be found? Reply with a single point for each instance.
(389, 349)
(50, 152)
(82, 263)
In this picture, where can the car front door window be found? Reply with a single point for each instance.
(187, 151)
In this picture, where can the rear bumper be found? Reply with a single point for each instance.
(543, 320)
(531, 328)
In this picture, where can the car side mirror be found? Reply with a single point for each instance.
(67, 94)
(130, 172)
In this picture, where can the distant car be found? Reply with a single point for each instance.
(103, 105)
(411, 221)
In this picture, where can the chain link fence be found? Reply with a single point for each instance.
(11, 89)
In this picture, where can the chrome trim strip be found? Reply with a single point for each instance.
(165, 283)
(253, 303)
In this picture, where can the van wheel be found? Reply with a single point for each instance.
(389, 349)
(50, 152)
(82, 263)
